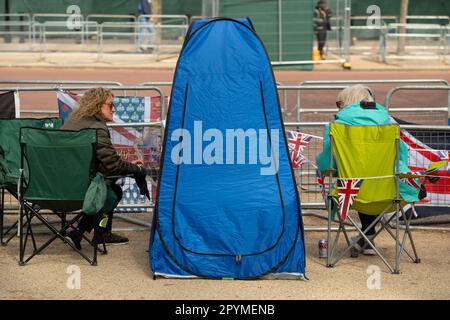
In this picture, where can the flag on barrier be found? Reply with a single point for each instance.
(131, 143)
(297, 141)
(9, 105)
(420, 158)
(67, 102)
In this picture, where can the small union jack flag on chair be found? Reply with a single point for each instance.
(321, 183)
(297, 142)
(347, 191)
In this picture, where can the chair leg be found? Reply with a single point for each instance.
(29, 218)
(385, 225)
(408, 232)
(363, 235)
(56, 234)
(2, 213)
(397, 244)
(21, 240)
(330, 247)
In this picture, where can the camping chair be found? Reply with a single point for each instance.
(369, 153)
(10, 161)
(57, 168)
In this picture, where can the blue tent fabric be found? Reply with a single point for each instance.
(226, 219)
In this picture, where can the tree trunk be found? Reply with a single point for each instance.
(157, 6)
(402, 29)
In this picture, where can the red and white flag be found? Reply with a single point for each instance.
(321, 182)
(297, 141)
(420, 156)
(347, 191)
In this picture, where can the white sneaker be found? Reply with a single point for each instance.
(357, 247)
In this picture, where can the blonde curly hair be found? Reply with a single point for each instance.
(91, 102)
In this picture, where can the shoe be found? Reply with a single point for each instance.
(358, 248)
(114, 239)
(368, 250)
(74, 237)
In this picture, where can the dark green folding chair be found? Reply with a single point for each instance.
(10, 162)
(57, 168)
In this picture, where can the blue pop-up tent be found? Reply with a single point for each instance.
(227, 206)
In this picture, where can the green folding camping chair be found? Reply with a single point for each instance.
(57, 168)
(10, 162)
(367, 159)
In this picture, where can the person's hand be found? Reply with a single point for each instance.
(142, 184)
(137, 162)
(151, 172)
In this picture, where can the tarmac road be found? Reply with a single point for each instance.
(313, 99)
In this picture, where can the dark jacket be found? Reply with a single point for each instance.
(144, 7)
(108, 161)
(322, 20)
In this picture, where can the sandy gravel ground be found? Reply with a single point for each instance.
(124, 274)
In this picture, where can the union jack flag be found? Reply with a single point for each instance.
(67, 102)
(412, 180)
(130, 143)
(297, 141)
(420, 156)
(321, 182)
(347, 191)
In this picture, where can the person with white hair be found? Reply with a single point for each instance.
(357, 106)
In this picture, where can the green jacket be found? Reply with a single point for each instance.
(108, 161)
(355, 115)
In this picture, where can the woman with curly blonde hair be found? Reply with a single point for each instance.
(96, 109)
(92, 102)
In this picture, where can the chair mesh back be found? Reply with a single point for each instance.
(9, 138)
(367, 152)
(58, 166)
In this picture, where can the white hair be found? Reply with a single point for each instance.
(355, 94)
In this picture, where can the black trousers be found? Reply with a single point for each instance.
(321, 40)
(366, 220)
(87, 223)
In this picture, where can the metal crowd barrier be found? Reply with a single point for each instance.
(403, 88)
(310, 194)
(421, 41)
(61, 82)
(81, 88)
(13, 21)
(309, 189)
(90, 33)
(338, 85)
(378, 81)
(433, 18)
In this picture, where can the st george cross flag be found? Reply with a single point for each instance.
(297, 142)
(347, 191)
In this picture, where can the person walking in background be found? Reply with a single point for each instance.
(145, 27)
(322, 15)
